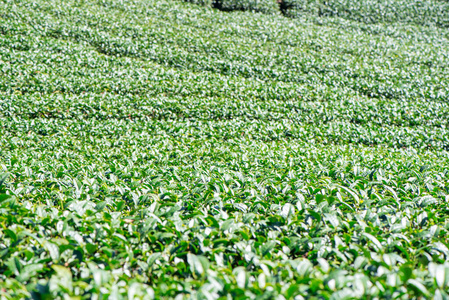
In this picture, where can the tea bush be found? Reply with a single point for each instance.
(428, 12)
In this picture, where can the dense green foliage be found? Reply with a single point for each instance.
(424, 12)
(160, 149)
(420, 12)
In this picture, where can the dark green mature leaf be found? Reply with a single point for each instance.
(3, 178)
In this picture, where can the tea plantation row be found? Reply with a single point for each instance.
(418, 12)
(162, 149)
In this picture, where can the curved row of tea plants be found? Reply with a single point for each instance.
(416, 12)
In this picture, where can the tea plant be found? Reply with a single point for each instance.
(428, 12)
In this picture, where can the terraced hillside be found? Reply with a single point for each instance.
(162, 149)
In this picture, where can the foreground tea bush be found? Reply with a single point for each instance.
(159, 149)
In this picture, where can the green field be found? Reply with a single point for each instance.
(237, 149)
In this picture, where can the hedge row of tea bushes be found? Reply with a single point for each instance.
(419, 12)
(161, 149)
